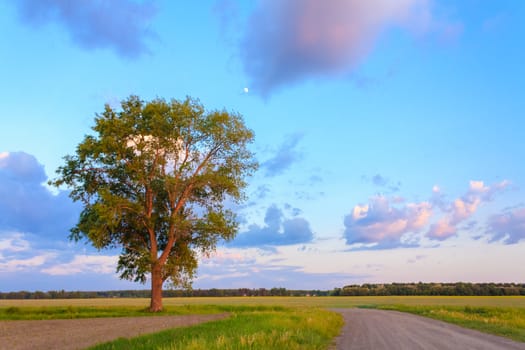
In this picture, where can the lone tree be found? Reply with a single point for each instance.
(153, 180)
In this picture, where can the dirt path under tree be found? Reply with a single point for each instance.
(83, 333)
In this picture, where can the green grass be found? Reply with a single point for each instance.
(70, 312)
(323, 302)
(274, 322)
(247, 328)
(504, 321)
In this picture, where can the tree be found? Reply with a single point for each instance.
(154, 180)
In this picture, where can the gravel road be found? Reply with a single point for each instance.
(83, 333)
(369, 329)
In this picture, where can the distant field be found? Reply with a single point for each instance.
(327, 302)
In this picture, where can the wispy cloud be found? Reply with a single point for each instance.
(286, 155)
(13, 242)
(289, 41)
(383, 182)
(16, 253)
(250, 268)
(121, 25)
(462, 208)
(101, 264)
(13, 265)
(508, 227)
(277, 230)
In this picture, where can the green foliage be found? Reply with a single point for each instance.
(503, 321)
(255, 327)
(153, 180)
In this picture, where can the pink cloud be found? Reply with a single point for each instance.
(463, 208)
(288, 41)
(382, 222)
(441, 230)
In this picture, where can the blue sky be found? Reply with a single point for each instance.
(389, 133)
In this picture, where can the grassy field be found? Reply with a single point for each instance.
(246, 328)
(274, 322)
(323, 302)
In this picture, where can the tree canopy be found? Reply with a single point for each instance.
(154, 179)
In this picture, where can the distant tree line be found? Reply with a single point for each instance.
(214, 292)
(398, 289)
(452, 289)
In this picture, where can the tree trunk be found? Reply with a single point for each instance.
(156, 288)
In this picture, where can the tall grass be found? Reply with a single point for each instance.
(247, 328)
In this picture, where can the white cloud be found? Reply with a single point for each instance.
(12, 265)
(13, 242)
(103, 264)
(478, 186)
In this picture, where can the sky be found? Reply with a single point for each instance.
(389, 133)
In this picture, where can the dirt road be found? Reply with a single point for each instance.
(378, 329)
(82, 333)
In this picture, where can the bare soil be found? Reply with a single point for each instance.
(83, 333)
(379, 329)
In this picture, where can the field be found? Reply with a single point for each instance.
(324, 302)
(274, 322)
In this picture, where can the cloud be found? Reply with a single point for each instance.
(13, 242)
(380, 224)
(277, 230)
(508, 227)
(289, 41)
(383, 182)
(12, 265)
(379, 180)
(285, 156)
(16, 253)
(441, 230)
(121, 25)
(27, 205)
(462, 208)
(100, 264)
(250, 268)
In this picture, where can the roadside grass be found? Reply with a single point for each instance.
(503, 321)
(257, 327)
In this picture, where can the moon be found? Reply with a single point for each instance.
(246, 90)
